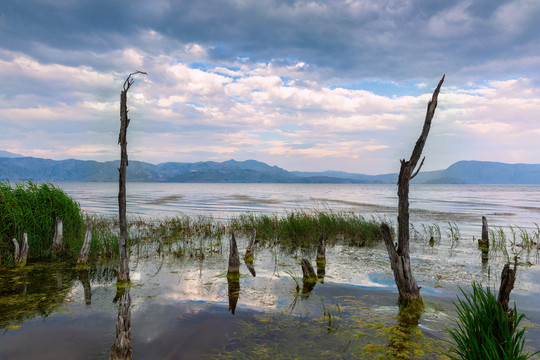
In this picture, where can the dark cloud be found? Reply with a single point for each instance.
(391, 39)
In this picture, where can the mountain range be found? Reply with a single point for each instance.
(14, 167)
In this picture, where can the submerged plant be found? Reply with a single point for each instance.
(484, 330)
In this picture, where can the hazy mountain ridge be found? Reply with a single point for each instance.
(14, 168)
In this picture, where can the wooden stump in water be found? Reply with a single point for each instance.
(484, 242)
(58, 236)
(508, 277)
(309, 278)
(16, 252)
(20, 254)
(234, 257)
(321, 250)
(24, 250)
(308, 272)
(83, 254)
(249, 250)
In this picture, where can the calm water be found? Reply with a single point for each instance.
(463, 204)
(181, 307)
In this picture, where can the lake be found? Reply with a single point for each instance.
(186, 308)
(465, 205)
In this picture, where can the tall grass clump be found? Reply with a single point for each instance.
(303, 228)
(32, 209)
(484, 330)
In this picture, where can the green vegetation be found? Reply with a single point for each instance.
(32, 209)
(485, 330)
(186, 236)
(302, 228)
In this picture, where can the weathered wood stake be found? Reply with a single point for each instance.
(399, 255)
(308, 272)
(58, 236)
(83, 254)
(16, 252)
(123, 273)
(321, 249)
(249, 250)
(484, 242)
(234, 257)
(24, 250)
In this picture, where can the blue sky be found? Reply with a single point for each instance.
(305, 85)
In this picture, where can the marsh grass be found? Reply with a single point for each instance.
(196, 236)
(32, 209)
(302, 228)
(484, 330)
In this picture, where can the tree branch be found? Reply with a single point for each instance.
(432, 105)
(418, 170)
(129, 81)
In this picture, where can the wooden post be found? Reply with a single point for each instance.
(321, 249)
(249, 250)
(16, 252)
(234, 258)
(123, 273)
(484, 242)
(308, 272)
(83, 254)
(24, 250)
(309, 278)
(58, 236)
(409, 292)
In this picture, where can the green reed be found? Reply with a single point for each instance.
(484, 330)
(32, 209)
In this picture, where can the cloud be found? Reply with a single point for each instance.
(310, 84)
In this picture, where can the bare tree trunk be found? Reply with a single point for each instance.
(399, 256)
(123, 273)
(58, 236)
(16, 251)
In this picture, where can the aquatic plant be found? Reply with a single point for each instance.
(32, 209)
(484, 330)
(452, 231)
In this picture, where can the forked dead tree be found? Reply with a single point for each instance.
(123, 273)
(409, 292)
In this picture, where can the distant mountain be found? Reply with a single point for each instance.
(8, 154)
(251, 171)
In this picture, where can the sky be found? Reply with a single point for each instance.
(304, 85)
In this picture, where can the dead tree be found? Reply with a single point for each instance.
(399, 254)
(123, 273)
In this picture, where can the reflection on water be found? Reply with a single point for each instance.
(121, 348)
(180, 307)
